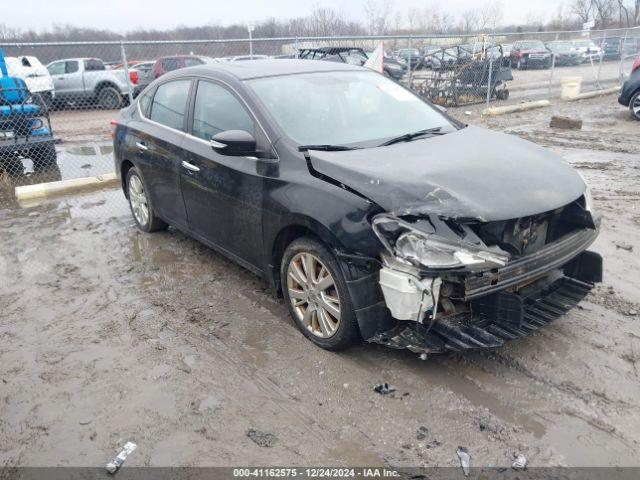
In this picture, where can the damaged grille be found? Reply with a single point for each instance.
(522, 236)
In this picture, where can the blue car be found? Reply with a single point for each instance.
(25, 126)
(630, 93)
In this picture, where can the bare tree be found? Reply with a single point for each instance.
(583, 9)
(378, 16)
(605, 11)
(469, 21)
(490, 15)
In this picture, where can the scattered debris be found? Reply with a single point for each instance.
(262, 439)
(422, 433)
(87, 165)
(465, 460)
(565, 123)
(433, 444)
(624, 246)
(384, 389)
(423, 356)
(467, 113)
(632, 313)
(116, 463)
(520, 463)
(86, 421)
(182, 366)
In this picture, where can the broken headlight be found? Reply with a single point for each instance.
(418, 244)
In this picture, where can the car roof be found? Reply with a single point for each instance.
(266, 68)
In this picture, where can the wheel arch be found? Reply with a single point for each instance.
(125, 166)
(303, 227)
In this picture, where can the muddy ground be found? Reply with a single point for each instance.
(108, 334)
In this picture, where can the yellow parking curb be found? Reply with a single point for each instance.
(518, 107)
(39, 190)
(595, 93)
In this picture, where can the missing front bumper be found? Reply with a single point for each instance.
(501, 316)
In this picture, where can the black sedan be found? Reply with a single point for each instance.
(630, 93)
(374, 214)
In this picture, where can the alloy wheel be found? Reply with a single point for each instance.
(138, 200)
(313, 295)
(636, 106)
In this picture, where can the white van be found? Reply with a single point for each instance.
(34, 74)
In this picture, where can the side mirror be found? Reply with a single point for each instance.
(234, 142)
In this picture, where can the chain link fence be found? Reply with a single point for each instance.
(57, 99)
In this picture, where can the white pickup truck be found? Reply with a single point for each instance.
(86, 81)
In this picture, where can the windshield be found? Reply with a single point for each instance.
(344, 108)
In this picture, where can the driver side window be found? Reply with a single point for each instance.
(217, 110)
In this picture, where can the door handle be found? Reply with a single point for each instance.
(142, 146)
(189, 166)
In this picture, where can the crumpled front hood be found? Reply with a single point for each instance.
(471, 173)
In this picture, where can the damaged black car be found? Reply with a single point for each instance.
(374, 214)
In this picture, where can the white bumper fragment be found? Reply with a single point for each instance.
(407, 296)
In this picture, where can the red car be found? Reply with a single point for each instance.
(530, 53)
(175, 62)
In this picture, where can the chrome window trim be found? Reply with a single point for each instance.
(192, 78)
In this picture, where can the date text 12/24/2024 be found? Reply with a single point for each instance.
(315, 472)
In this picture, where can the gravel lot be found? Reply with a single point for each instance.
(108, 334)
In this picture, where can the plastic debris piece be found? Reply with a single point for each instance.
(465, 460)
(116, 463)
(262, 439)
(384, 389)
(520, 463)
(422, 433)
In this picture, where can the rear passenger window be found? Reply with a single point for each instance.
(170, 64)
(190, 62)
(92, 65)
(217, 110)
(169, 103)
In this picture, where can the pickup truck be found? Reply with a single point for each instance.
(86, 81)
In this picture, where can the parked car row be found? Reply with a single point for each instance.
(522, 54)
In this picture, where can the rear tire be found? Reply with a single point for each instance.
(141, 208)
(315, 289)
(44, 156)
(109, 98)
(634, 106)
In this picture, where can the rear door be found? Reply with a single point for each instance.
(158, 144)
(223, 194)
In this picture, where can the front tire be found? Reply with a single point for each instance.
(141, 208)
(317, 296)
(634, 106)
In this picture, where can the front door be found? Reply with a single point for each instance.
(223, 194)
(67, 80)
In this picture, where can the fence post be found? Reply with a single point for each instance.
(409, 73)
(489, 78)
(296, 46)
(621, 68)
(602, 46)
(553, 68)
(125, 65)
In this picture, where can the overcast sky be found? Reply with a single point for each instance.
(123, 15)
